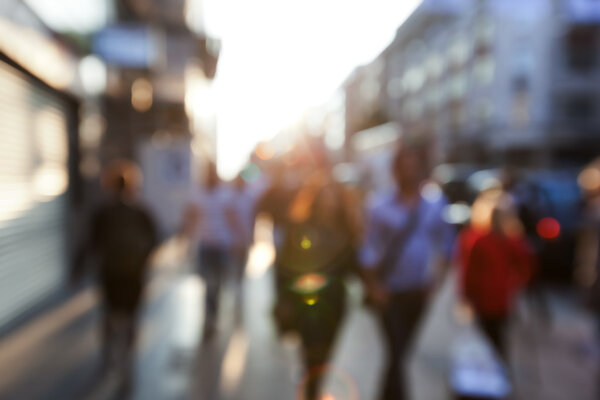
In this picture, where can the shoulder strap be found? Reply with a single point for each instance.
(397, 244)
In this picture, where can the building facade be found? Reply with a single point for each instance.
(156, 99)
(496, 81)
(39, 182)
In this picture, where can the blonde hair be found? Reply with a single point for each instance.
(494, 209)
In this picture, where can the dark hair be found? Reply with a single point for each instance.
(421, 153)
(120, 184)
(403, 151)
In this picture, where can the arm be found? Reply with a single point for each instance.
(190, 220)
(353, 216)
(527, 262)
(85, 247)
(445, 237)
(473, 272)
(370, 255)
(234, 221)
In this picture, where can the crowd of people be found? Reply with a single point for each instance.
(398, 243)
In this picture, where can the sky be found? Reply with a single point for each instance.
(278, 57)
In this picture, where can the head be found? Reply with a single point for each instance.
(483, 208)
(327, 206)
(122, 178)
(509, 177)
(504, 218)
(212, 179)
(589, 182)
(409, 168)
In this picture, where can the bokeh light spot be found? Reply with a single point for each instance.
(548, 228)
(264, 151)
(251, 173)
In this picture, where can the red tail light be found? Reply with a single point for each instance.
(548, 228)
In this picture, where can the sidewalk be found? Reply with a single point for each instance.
(557, 360)
(56, 356)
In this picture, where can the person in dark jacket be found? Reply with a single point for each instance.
(121, 237)
(317, 254)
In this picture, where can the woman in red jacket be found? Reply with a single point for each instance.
(499, 265)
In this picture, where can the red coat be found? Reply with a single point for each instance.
(497, 268)
(464, 244)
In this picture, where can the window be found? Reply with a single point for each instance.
(484, 111)
(413, 109)
(457, 86)
(459, 51)
(520, 113)
(579, 109)
(457, 116)
(581, 48)
(395, 88)
(414, 79)
(433, 97)
(484, 32)
(435, 65)
(484, 69)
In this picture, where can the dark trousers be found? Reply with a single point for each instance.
(239, 258)
(318, 326)
(494, 329)
(400, 320)
(213, 269)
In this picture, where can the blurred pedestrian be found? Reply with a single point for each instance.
(121, 235)
(478, 226)
(243, 202)
(209, 220)
(318, 252)
(588, 268)
(406, 237)
(275, 203)
(499, 266)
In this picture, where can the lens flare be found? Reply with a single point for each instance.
(311, 300)
(306, 243)
(338, 383)
(309, 283)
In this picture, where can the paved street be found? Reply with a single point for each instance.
(56, 355)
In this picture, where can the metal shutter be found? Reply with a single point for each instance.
(33, 182)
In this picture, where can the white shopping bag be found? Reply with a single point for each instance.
(475, 370)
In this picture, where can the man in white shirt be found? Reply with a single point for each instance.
(209, 223)
(244, 198)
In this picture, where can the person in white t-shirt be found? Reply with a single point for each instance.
(209, 221)
(244, 199)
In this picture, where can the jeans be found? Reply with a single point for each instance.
(400, 319)
(213, 264)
